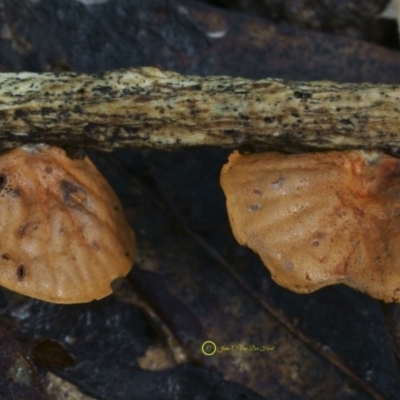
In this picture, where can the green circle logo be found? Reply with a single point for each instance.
(208, 348)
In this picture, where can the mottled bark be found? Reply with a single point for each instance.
(147, 108)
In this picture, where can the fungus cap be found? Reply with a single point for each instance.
(64, 236)
(319, 219)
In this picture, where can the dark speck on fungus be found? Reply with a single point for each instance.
(22, 230)
(3, 181)
(21, 272)
(72, 194)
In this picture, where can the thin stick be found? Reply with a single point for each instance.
(147, 108)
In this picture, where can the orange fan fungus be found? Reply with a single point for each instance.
(319, 219)
(63, 234)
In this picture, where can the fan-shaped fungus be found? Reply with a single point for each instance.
(63, 235)
(321, 218)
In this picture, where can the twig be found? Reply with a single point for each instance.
(147, 108)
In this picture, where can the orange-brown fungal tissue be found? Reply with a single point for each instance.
(63, 234)
(319, 219)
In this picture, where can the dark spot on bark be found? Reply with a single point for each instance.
(103, 89)
(21, 272)
(20, 114)
(229, 131)
(195, 87)
(302, 95)
(78, 110)
(268, 120)
(89, 128)
(75, 153)
(46, 111)
(257, 191)
(244, 117)
(73, 196)
(143, 99)
(345, 121)
(315, 243)
(6, 256)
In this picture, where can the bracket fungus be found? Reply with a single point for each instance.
(64, 237)
(319, 219)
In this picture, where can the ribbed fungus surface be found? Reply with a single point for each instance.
(319, 219)
(64, 237)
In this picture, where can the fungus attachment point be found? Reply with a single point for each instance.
(63, 238)
(319, 219)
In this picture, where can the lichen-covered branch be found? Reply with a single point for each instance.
(145, 107)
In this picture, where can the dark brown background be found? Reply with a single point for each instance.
(191, 281)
